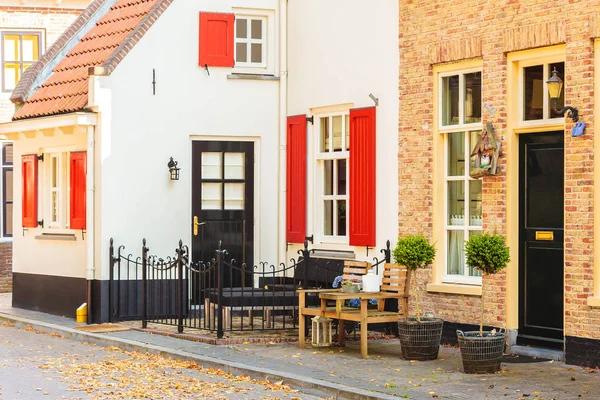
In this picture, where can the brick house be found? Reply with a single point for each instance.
(467, 63)
(27, 29)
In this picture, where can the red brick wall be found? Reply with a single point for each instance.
(6, 267)
(439, 32)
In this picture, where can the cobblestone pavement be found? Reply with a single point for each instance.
(383, 375)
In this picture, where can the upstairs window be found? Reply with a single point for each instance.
(19, 51)
(7, 189)
(536, 103)
(250, 41)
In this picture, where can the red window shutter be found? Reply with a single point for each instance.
(78, 167)
(216, 40)
(362, 177)
(296, 179)
(29, 172)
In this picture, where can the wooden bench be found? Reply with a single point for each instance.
(395, 284)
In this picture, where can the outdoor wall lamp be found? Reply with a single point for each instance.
(555, 85)
(173, 170)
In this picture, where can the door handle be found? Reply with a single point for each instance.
(544, 235)
(196, 225)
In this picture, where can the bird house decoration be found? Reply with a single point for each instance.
(321, 331)
(486, 153)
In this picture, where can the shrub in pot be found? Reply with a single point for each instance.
(419, 335)
(481, 351)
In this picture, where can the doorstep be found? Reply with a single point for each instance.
(538, 352)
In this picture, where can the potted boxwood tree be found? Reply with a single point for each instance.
(481, 351)
(419, 335)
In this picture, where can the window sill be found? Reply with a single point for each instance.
(56, 236)
(6, 240)
(335, 254)
(593, 301)
(253, 77)
(467, 290)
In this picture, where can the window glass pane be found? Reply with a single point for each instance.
(456, 154)
(456, 252)
(560, 68)
(234, 166)
(241, 52)
(533, 95)
(328, 179)
(347, 128)
(256, 55)
(241, 28)
(11, 48)
(475, 209)
(8, 220)
(324, 135)
(234, 196)
(8, 154)
(341, 215)
(8, 184)
(456, 206)
(11, 75)
(211, 196)
(54, 172)
(256, 29)
(341, 181)
(450, 100)
(337, 132)
(211, 165)
(31, 47)
(473, 97)
(470, 270)
(473, 139)
(54, 207)
(328, 222)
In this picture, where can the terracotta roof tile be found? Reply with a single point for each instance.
(66, 89)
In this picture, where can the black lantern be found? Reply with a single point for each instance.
(173, 170)
(555, 85)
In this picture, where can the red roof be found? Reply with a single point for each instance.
(66, 89)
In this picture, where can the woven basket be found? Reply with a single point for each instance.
(481, 354)
(420, 341)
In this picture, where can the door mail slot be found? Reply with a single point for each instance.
(544, 235)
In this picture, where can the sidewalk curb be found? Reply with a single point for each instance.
(307, 385)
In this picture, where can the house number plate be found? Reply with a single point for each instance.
(543, 235)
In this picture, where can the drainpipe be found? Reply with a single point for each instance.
(282, 247)
(89, 198)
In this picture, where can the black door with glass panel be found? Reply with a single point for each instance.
(541, 239)
(222, 204)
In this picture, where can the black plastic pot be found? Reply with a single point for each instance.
(420, 340)
(481, 354)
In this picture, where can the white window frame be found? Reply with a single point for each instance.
(42, 48)
(63, 156)
(248, 41)
(267, 66)
(5, 167)
(547, 104)
(319, 189)
(447, 130)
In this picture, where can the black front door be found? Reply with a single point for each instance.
(222, 203)
(541, 239)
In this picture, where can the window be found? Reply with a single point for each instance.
(250, 41)
(536, 103)
(7, 189)
(333, 171)
(19, 51)
(460, 112)
(56, 190)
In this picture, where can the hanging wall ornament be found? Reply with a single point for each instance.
(486, 153)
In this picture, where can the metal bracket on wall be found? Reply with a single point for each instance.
(40, 223)
(153, 82)
(206, 68)
(368, 250)
(310, 238)
(82, 234)
(40, 157)
(24, 230)
(311, 119)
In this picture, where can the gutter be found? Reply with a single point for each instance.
(282, 242)
(90, 216)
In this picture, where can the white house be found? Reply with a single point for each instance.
(225, 89)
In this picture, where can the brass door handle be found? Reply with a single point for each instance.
(196, 224)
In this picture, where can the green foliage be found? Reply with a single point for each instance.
(414, 251)
(488, 253)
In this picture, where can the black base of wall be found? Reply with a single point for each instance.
(581, 351)
(449, 331)
(100, 302)
(51, 294)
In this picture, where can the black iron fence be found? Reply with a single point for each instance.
(193, 295)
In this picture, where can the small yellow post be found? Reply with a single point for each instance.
(82, 313)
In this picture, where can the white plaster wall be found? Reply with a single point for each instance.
(45, 257)
(140, 131)
(339, 52)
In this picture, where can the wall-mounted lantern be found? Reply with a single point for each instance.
(555, 85)
(173, 170)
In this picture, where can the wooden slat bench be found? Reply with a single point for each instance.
(396, 281)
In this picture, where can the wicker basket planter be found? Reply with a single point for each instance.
(481, 354)
(420, 341)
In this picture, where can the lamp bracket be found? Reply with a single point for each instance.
(573, 112)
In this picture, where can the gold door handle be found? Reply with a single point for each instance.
(196, 224)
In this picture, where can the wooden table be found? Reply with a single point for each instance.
(341, 313)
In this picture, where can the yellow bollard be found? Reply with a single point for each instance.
(82, 313)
